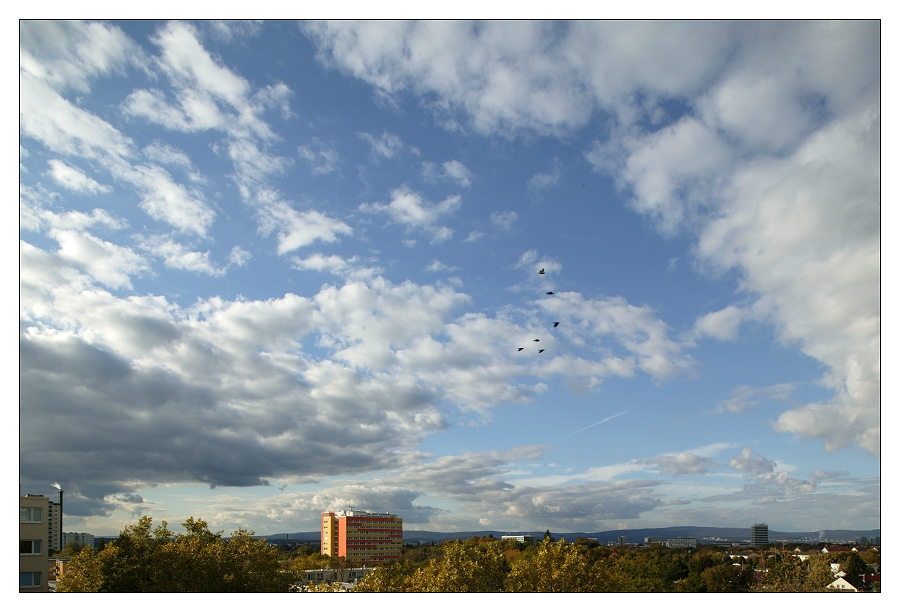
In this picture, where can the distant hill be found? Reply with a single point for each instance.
(706, 534)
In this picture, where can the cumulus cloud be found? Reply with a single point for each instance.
(296, 229)
(759, 140)
(108, 263)
(180, 257)
(412, 211)
(74, 179)
(721, 325)
(352, 268)
(343, 382)
(750, 465)
(681, 464)
(69, 54)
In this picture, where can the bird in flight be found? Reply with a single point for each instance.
(537, 340)
(541, 351)
(556, 324)
(549, 293)
(521, 349)
(542, 271)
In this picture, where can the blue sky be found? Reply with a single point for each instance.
(269, 269)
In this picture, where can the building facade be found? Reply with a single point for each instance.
(85, 539)
(54, 526)
(524, 538)
(33, 557)
(362, 537)
(759, 534)
(681, 543)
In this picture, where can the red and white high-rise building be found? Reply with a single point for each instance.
(362, 537)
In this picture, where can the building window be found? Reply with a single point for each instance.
(29, 579)
(29, 515)
(29, 547)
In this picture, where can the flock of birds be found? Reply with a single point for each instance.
(555, 324)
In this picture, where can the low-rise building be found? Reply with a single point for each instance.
(349, 576)
(524, 537)
(681, 542)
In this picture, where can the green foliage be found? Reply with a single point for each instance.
(853, 565)
(550, 567)
(727, 578)
(465, 568)
(83, 573)
(71, 549)
(147, 560)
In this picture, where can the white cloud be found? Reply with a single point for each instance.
(437, 266)
(351, 268)
(74, 179)
(504, 220)
(64, 128)
(473, 236)
(108, 263)
(239, 257)
(179, 257)
(760, 139)
(386, 146)
(750, 465)
(412, 211)
(681, 464)
(165, 200)
(745, 397)
(34, 216)
(543, 181)
(453, 170)
(721, 325)
(68, 54)
(321, 158)
(531, 259)
(296, 229)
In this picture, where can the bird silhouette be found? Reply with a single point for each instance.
(541, 351)
(521, 349)
(556, 324)
(537, 340)
(542, 271)
(549, 293)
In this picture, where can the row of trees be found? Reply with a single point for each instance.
(144, 559)
(485, 565)
(148, 560)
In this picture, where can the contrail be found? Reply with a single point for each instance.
(589, 426)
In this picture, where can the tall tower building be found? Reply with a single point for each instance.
(759, 534)
(54, 524)
(362, 537)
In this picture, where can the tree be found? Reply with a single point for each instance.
(550, 567)
(390, 578)
(71, 549)
(547, 535)
(819, 576)
(146, 560)
(464, 568)
(83, 573)
(727, 578)
(853, 565)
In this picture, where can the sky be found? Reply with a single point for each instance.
(268, 269)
